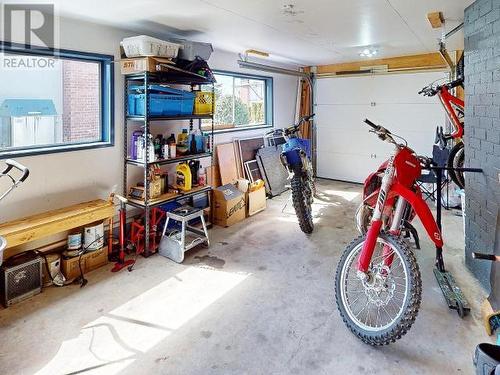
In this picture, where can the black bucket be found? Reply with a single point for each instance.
(486, 359)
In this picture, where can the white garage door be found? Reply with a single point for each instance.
(345, 149)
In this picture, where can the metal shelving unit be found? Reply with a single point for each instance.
(173, 76)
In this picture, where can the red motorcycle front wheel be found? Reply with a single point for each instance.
(381, 308)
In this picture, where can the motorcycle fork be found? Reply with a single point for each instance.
(396, 225)
(366, 254)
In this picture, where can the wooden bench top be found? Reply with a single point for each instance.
(47, 223)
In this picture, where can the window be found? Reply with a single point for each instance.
(52, 102)
(242, 101)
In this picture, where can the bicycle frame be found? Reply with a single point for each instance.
(454, 108)
(403, 168)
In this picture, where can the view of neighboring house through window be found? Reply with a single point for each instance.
(52, 104)
(241, 101)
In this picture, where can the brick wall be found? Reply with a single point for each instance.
(482, 134)
(80, 101)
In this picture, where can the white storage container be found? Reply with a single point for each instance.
(190, 50)
(93, 236)
(144, 45)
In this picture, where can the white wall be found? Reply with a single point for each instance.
(62, 179)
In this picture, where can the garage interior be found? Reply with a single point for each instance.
(251, 187)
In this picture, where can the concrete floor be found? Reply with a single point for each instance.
(259, 301)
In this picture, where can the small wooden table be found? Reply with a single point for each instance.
(38, 226)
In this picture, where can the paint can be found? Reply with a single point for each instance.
(74, 241)
(93, 236)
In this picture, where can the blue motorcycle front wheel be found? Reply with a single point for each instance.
(302, 194)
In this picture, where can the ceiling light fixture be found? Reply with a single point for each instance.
(290, 10)
(368, 52)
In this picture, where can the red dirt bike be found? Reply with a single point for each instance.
(454, 108)
(371, 188)
(378, 284)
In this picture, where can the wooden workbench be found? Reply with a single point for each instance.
(38, 226)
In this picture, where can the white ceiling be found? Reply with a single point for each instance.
(320, 32)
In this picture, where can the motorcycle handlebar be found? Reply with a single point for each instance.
(307, 118)
(373, 125)
(295, 128)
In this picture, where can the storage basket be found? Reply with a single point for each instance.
(144, 45)
(163, 101)
(203, 103)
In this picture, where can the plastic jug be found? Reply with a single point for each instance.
(182, 142)
(183, 177)
(182, 138)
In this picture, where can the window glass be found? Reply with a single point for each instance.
(49, 103)
(241, 101)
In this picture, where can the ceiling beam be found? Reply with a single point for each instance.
(426, 61)
(436, 19)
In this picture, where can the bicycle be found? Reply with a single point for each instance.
(454, 108)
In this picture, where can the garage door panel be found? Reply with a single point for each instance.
(361, 142)
(348, 90)
(339, 166)
(343, 127)
(414, 122)
(345, 149)
(404, 88)
(342, 117)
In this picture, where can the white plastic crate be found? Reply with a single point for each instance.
(144, 45)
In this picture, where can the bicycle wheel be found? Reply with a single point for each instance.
(381, 309)
(456, 160)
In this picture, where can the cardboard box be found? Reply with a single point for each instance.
(256, 201)
(143, 64)
(229, 205)
(213, 176)
(90, 261)
(255, 197)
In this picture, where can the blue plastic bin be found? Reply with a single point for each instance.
(163, 101)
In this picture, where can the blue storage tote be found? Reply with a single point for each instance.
(163, 101)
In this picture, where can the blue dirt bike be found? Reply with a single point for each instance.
(296, 157)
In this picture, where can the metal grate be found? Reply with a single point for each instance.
(21, 280)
